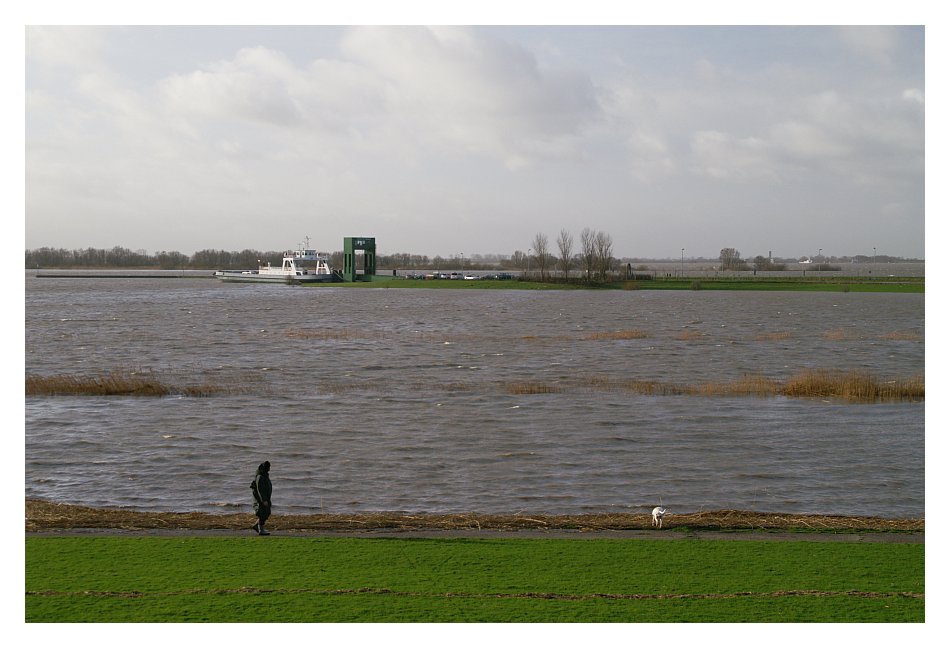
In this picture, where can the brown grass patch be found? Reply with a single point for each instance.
(532, 387)
(631, 334)
(750, 385)
(117, 383)
(901, 336)
(46, 516)
(687, 335)
(839, 334)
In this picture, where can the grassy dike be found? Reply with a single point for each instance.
(347, 579)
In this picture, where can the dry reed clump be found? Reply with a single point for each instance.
(631, 334)
(652, 388)
(687, 335)
(901, 336)
(773, 337)
(44, 516)
(839, 334)
(532, 387)
(749, 385)
(116, 383)
(853, 385)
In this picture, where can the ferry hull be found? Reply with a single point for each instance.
(241, 277)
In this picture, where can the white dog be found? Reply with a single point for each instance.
(658, 514)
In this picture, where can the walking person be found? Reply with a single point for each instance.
(261, 487)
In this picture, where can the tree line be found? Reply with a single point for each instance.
(120, 257)
(594, 261)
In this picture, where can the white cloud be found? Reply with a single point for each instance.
(913, 94)
(456, 90)
(877, 44)
(65, 47)
(258, 84)
(727, 157)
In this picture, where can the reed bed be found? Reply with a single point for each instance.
(901, 336)
(688, 335)
(839, 334)
(532, 387)
(45, 516)
(851, 386)
(749, 385)
(631, 334)
(119, 383)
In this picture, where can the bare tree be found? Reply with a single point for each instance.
(730, 259)
(588, 250)
(603, 245)
(565, 246)
(540, 247)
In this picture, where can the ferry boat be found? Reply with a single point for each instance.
(299, 266)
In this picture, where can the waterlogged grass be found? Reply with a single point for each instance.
(855, 386)
(459, 284)
(807, 284)
(117, 383)
(629, 334)
(799, 284)
(78, 579)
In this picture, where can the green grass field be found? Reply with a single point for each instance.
(297, 579)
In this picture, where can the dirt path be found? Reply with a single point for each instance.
(871, 537)
(50, 519)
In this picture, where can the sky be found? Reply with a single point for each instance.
(676, 141)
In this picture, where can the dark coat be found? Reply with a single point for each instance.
(262, 489)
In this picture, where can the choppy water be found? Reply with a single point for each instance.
(378, 399)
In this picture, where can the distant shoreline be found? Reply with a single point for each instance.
(789, 281)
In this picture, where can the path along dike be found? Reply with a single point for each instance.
(45, 518)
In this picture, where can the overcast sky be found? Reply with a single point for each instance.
(448, 141)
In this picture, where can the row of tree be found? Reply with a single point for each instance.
(594, 261)
(595, 258)
(119, 257)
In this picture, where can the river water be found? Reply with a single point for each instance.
(376, 399)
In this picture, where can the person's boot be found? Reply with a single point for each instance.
(261, 531)
(257, 527)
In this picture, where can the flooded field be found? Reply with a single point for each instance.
(415, 400)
